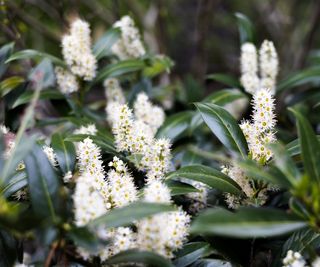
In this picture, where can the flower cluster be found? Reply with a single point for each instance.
(295, 259)
(89, 129)
(51, 155)
(76, 50)
(165, 232)
(67, 82)
(129, 45)
(198, 199)
(268, 66)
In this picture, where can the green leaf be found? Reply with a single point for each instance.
(103, 142)
(103, 46)
(17, 182)
(8, 249)
(310, 147)
(5, 52)
(128, 214)
(175, 125)
(270, 174)
(246, 28)
(180, 188)
(299, 78)
(212, 263)
(224, 126)
(65, 151)
(137, 256)
(208, 176)
(45, 94)
(293, 147)
(246, 223)
(7, 85)
(43, 184)
(158, 65)
(84, 238)
(225, 79)
(191, 252)
(43, 73)
(33, 54)
(120, 68)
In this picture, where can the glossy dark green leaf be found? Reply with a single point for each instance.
(120, 68)
(5, 52)
(33, 54)
(104, 143)
(158, 65)
(103, 46)
(45, 94)
(299, 78)
(84, 238)
(130, 213)
(225, 79)
(246, 28)
(293, 147)
(7, 85)
(17, 182)
(65, 152)
(310, 147)
(191, 252)
(137, 256)
(43, 184)
(180, 188)
(175, 125)
(270, 174)
(246, 223)
(224, 126)
(209, 176)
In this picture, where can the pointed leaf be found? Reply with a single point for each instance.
(9, 84)
(103, 46)
(180, 188)
(246, 28)
(246, 223)
(208, 176)
(224, 126)
(225, 79)
(5, 52)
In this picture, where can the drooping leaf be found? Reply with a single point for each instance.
(120, 68)
(246, 28)
(225, 79)
(65, 151)
(43, 184)
(44, 95)
(137, 256)
(191, 252)
(5, 52)
(224, 126)
(103, 46)
(9, 84)
(175, 125)
(33, 54)
(310, 147)
(130, 213)
(180, 188)
(246, 223)
(208, 176)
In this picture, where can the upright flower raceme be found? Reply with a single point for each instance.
(165, 232)
(129, 44)
(67, 82)
(268, 66)
(295, 259)
(76, 50)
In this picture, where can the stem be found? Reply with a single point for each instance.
(51, 253)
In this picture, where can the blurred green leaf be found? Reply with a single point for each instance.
(103, 46)
(191, 252)
(293, 147)
(9, 84)
(44, 95)
(212, 263)
(180, 188)
(128, 214)
(225, 79)
(8, 249)
(246, 223)
(310, 147)
(65, 151)
(175, 125)
(43, 73)
(43, 183)
(120, 68)
(137, 256)
(17, 182)
(208, 176)
(34, 54)
(246, 28)
(224, 96)
(158, 65)
(5, 52)
(224, 126)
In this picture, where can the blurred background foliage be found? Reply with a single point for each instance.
(201, 36)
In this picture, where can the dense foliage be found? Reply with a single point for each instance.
(104, 164)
